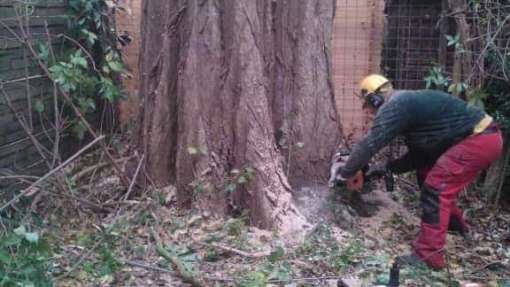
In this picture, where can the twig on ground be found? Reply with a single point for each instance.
(485, 266)
(76, 177)
(193, 279)
(448, 273)
(145, 266)
(135, 176)
(159, 269)
(82, 258)
(30, 189)
(240, 252)
(87, 202)
(308, 279)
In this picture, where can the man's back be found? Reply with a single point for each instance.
(435, 120)
(431, 121)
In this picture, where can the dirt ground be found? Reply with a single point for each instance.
(339, 248)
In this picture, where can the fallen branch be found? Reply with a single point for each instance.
(485, 266)
(309, 279)
(163, 270)
(30, 189)
(145, 266)
(193, 279)
(76, 177)
(87, 202)
(133, 180)
(240, 252)
(83, 258)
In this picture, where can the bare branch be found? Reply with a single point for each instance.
(47, 175)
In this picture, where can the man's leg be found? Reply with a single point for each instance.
(457, 221)
(455, 169)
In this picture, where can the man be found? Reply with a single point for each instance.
(448, 142)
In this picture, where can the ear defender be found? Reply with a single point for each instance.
(375, 100)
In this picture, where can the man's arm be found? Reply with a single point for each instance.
(391, 120)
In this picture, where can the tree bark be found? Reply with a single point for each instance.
(217, 78)
(304, 109)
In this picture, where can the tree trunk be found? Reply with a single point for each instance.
(304, 110)
(217, 78)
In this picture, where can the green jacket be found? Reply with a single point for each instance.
(430, 122)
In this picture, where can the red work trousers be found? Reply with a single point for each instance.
(453, 170)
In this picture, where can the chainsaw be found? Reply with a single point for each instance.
(340, 159)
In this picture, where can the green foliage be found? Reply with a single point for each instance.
(104, 264)
(39, 106)
(238, 178)
(348, 255)
(436, 79)
(71, 75)
(89, 14)
(211, 255)
(453, 40)
(457, 87)
(185, 255)
(276, 254)
(477, 97)
(322, 246)
(236, 226)
(108, 89)
(266, 273)
(89, 65)
(24, 259)
(254, 279)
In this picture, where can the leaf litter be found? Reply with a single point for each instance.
(116, 248)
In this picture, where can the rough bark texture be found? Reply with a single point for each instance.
(304, 109)
(214, 99)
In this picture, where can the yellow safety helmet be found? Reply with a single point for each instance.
(372, 83)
